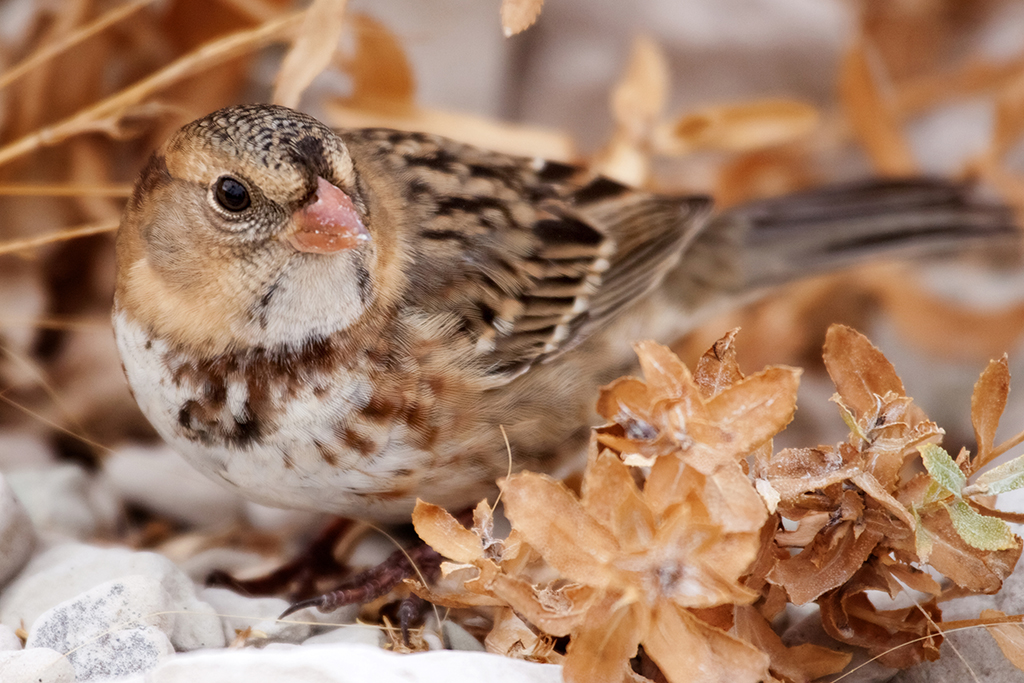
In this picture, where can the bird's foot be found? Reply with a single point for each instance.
(418, 561)
(299, 577)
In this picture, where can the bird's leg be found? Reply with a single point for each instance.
(298, 577)
(419, 560)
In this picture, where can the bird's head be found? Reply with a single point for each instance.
(247, 228)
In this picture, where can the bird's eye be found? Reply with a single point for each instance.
(231, 194)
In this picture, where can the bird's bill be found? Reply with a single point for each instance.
(328, 224)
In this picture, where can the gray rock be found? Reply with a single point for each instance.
(127, 603)
(973, 652)
(68, 570)
(37, 665)
(969, 655)
(17, 536)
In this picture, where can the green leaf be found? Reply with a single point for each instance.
(942, 468)
(934, 493)
(1007, 477)
(978, 530)
(923, 543)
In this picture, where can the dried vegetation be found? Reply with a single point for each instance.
(688, 535)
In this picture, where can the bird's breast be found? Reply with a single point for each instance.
(314, 429)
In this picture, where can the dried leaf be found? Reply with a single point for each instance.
(898, 638)
(869, 108)
(557, 611)
(550, 518)
(688, 650)
(718, 369)
(859, 370)
(311, 52)
(610, 495)
(511, 637)
(981, 571)
(637, 103)
(601, 649)
(877, 493)
(1009, 637)
(798, 664)
(828, 563)
(445, 534)
(1009, 117)
(639, 96)
(521, 140)
(987, 405)
(519, 15)
(768, 494)
(381, 75)
(757, 408)
(742, 127)
(923, 541)
(665, 375)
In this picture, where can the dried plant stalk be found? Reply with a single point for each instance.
(63, 190)
(48, 52)
(105, 114)
(63, 235)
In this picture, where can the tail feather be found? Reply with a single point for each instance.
(843, 225)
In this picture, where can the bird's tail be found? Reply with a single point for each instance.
(843, 225)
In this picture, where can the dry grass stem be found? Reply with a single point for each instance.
(106, 113)
(48, 52)
(64, 235)
(63, 190)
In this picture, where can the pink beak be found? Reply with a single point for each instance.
(330, 223)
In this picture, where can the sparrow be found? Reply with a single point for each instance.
(344, 320)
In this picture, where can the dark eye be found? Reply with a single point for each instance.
(231, 194)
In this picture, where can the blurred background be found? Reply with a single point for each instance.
(737, 98)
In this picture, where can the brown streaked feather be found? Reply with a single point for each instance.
(528, 257)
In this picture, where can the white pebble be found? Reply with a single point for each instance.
(296, 522)
(348, 663)
(66, 501)
(352, 634)
(259, 615)
(37, 665)
(17, 536)
(9, 640)
(160, 480)
(66, 571)
(459, 638)
(24, 450)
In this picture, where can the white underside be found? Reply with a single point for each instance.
(356, 486)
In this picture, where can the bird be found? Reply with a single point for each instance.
(344, 321)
